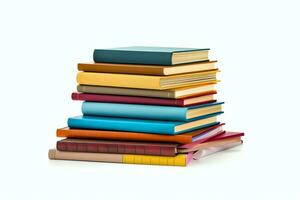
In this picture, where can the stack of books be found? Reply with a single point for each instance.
(146, 105)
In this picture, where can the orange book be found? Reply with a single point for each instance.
(185, 138)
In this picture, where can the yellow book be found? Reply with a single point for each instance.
(178, 160)
(146, 81)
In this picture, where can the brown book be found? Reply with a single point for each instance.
(185, 138)
(146, 69)
(178, 93)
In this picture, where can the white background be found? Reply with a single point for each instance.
(256, 43)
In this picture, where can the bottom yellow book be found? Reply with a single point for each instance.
(178, 160)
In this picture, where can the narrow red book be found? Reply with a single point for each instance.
(226, 135)
(206, 98)
(122, 147)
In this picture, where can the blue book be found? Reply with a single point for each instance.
(141, 125)
(150, 55)
(141, 111)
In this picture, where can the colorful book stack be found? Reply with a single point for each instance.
(146, 105)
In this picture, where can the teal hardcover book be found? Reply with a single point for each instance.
(141, 125)
(141, 111)
(150, 55)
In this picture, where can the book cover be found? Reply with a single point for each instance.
(177, 93)
(146, 81)
(141, 125)
(228, 134)
(150, 55)
(211, 150)
(146, 69)
(209, 143)
(185, 138)
(141, 111)
(178, 160)
(222, 136)
(113, 146)
(202, 99)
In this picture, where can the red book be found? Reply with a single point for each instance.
(221, 136)
(227, 134)
(122, 147)
(207, 98)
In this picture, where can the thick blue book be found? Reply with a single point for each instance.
(150, 55)
(141, 111)
(141, 125)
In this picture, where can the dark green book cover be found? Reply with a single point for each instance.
(140, 55)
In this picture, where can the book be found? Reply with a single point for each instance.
(150, 55)
(146, 81)
(199, 135)
(207, 144)
(141, 125)
(143, 148)
(188, 101)
(113, 146)
(177, 93)
(211, 150)
(228, 134)
(140, 111)
(221, 136)
(178, 160)
(146, 69)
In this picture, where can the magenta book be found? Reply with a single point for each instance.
(206, 98)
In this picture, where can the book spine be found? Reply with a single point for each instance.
(125, 92)
(135, 111)
(119, 80)
(179, 160)
(179, 102)
(114, 68)
(76, 96)
(124, 99)
(118, 125)
(132, 57)
(115, 148)
(123, 136)
(54, 154)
